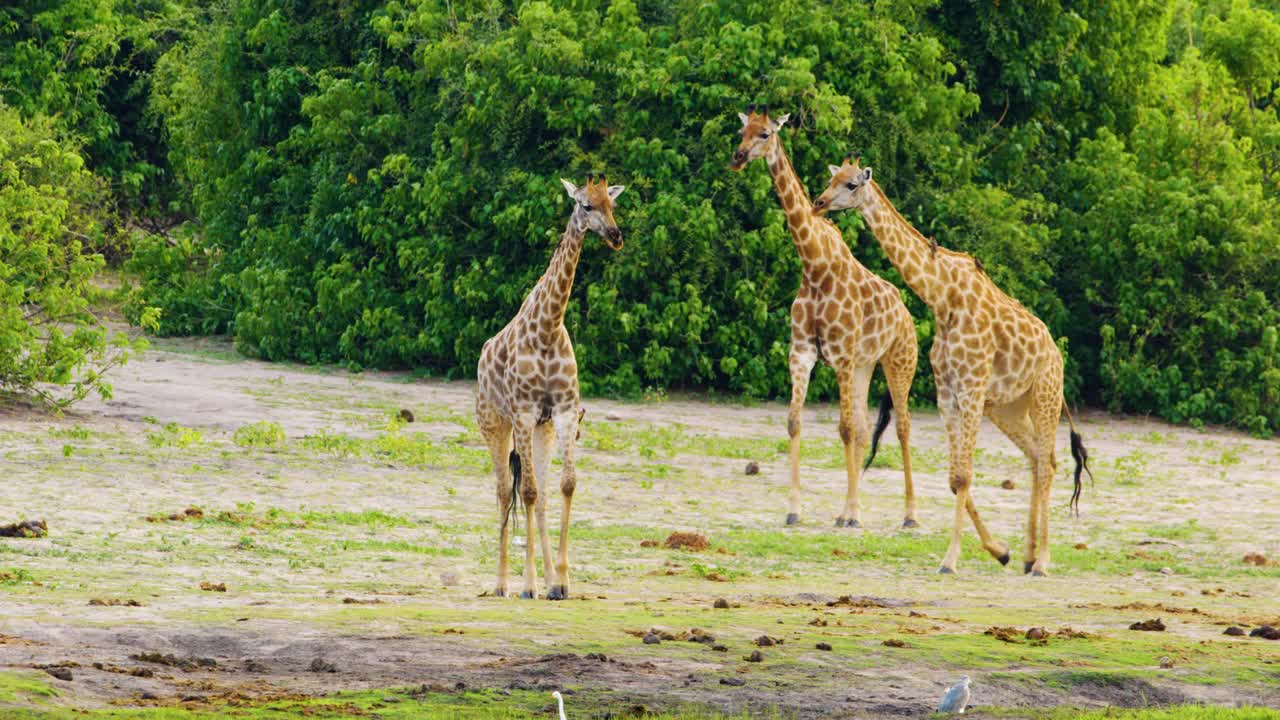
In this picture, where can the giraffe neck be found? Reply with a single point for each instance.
(907, 249)
(551, 296)
(794, 200)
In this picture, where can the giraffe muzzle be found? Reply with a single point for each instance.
(820, 206)
(613, 236)
(739, 159)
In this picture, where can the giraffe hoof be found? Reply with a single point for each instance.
(839, 522)
(500, 592)
(527, 595)
(1004, 559)
(558, 592)
(944, 570)
(793, 518)
(1039, 573)
(1026, 566)
(910, 523)
(852, 524)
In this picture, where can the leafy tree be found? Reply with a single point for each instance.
(50, 205)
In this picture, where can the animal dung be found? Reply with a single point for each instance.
(894, 642)
(1256, 559)
(695, 542)
(1266, 632)
(25, 529)
(1234, 631)
(755, 657)
(651, 639)
(1148, 625)
(1037, 633)
(213, 587)
(823, 646)
(1008, 485)
(720, 604)
(406, 415)
(753, 468)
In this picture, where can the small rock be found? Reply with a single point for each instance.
(733, 681)
(1148, 625)
(148, 695)
(1037, 633)
(1166, 571)
(652, 639)
(720, 648)
(720, 604)
(893, 642)
(59, 672)
(1166, 663)
(823, 646)
(755, 656)
(766, 641)
(613, 417)
(753, 468)
(1266, 632)
(1234, 631)
(1008, 485)
(406, 415)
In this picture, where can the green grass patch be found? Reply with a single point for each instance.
(264, 433)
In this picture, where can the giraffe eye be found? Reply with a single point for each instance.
(587, 207)
(764, 136)
(851, 186)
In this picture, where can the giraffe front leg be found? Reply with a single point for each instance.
(963, 415)
(803, 357)
(567, 430)
(529, 495)
(497, 435)
(855, 436)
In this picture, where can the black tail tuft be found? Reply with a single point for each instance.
(882, 422)
(1081, 456)
(514, 461)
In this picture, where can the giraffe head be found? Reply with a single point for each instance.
(593, 208)
(848, 187)
(758, 131)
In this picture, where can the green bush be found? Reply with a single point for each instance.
(375, 183)
(50, 205)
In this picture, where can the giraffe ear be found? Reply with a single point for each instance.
(866, 175)
(745, 118)
(570, 188)
(615, 191)
(833, 169)
(782, 119)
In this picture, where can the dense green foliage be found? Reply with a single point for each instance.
(375, 183)
(50, 205)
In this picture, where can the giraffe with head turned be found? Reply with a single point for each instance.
(990, 356)
(843, 314)
(527, 393)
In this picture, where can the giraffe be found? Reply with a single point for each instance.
(844, 314)
(990, 356)
(527, 393)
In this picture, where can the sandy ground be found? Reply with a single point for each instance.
(376, 558)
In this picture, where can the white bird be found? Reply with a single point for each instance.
(957, 697)
(559, 702)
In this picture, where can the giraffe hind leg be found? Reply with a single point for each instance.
(899, 368)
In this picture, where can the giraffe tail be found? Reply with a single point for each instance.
(1081, 456)
(882, 422)
(514, 461)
